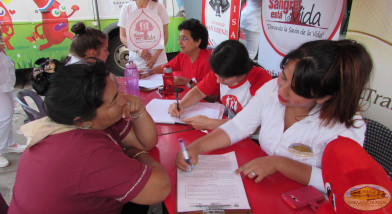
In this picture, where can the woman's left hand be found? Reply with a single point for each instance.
(259, 168)
(133, 106)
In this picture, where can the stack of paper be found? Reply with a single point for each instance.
(151, 82)
(158, 109)
(212, 185)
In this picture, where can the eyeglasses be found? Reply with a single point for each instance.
(182, 39)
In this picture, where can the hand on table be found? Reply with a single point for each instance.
(198, 122)
(193, 157)
(144, 73)
(133, 106)
(259, 168)
(173, 111)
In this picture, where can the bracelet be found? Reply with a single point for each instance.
(139, 153)
(139, 116)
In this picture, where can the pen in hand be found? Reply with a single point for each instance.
(184, 152)
(178, 105)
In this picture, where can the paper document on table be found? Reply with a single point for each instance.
(151, 82)
(158, 109)
(212, 184)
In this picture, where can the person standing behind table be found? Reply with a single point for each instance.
(250, 24)
(87, 42)
(87, 156)
(7, 82)
(192, 61)
(145, 59)
(236, 77)
(315, 99)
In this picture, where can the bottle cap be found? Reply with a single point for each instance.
(130, 64)
(167, 69)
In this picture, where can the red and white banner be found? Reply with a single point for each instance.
(370, 25)
(286, 24)
(144, 30)
(221, 18)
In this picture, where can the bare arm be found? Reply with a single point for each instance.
(268, 165)
(158, 186)
(215, 140)
(192, 97)
(202, 122)
(151, 62)
(143, 134)
(123, 36)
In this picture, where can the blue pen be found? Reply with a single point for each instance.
(184, 152)
(146, 72)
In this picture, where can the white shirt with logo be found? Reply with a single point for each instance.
(304, 141)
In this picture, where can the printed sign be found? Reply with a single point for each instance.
(288, 24)
(369, 24)
(221, 18)
(144, 30)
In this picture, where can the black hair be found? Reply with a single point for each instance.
(74, 90)
(339, 69)
(198, 31)
(230, 58)
(85, 38)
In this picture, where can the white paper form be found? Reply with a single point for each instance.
(158, 109)
(212, 181)
(151, 82)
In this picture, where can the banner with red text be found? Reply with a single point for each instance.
(286, 24)
(221, 18)
(371, 25)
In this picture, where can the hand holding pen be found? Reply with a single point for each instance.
(144, 73)
(185, 157)
(178, 105)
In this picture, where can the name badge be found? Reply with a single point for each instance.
(301, 150)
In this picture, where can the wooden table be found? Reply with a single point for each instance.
(264, 197)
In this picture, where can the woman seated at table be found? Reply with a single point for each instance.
(234, 75)
(191, 64)
(87, 42)
(75, 161)
(313, 101)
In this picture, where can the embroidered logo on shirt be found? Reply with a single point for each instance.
(301, 150)
(367, 197)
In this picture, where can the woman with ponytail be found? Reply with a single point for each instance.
(315, 99)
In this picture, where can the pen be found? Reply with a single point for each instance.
(184, 152)
(146, 72)
(178, 105)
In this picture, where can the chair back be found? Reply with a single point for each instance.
(3, 205)
(378, 143)
(31, 113)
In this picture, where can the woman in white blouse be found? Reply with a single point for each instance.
(314, 100)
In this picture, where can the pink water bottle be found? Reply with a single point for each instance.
(131, 75)
(168, 79)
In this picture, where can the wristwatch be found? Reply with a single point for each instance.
(189, 84)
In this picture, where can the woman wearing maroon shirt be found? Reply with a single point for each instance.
(87, 156)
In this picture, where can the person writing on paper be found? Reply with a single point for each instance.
(192, 62)
(87, 156)
(145, 59)
(315, 99)
(234, 75)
